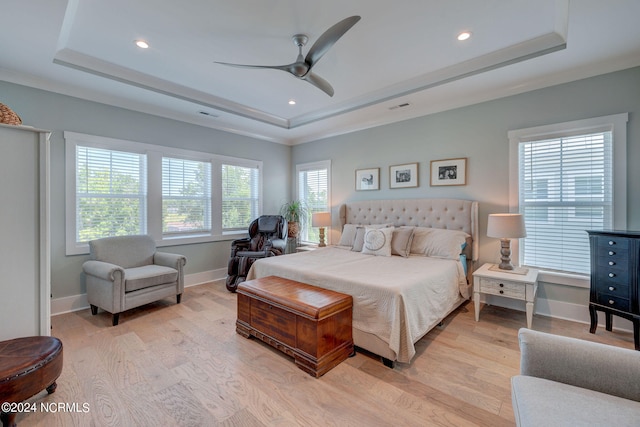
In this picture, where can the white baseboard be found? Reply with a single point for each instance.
(80, 302)
(558, 310)
(549, 308)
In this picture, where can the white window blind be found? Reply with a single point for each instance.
(186, 196)
(566, 187)
(111, 193)
(240, 196)
(313, 191)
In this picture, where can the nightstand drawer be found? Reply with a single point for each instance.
(502, 287)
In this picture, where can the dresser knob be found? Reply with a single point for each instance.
(611, 302)
(612, 263)
(611, 253)
(611, 288)
(612, 275)
(611, 243)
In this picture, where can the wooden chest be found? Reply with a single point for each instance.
(310, 324)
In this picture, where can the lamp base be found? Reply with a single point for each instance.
(505, 252)
(321, 244)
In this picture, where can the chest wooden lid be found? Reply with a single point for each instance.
(305, 299)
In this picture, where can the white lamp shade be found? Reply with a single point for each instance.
(321, 219)
(506, 226)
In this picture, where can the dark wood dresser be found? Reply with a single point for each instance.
(615, 278)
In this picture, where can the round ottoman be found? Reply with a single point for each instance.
(27, 366)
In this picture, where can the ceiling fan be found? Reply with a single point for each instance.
(303, 65)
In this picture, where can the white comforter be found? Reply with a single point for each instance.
(397, 299)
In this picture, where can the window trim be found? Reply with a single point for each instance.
(617, 124)
(154, 190)
(320, 164)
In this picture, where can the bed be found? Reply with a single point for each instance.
(398, 298)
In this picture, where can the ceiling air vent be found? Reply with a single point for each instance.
(205, 113)
(395, 107)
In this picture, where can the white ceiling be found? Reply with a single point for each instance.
(399, 52)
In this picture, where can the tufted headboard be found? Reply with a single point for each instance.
(452, 214)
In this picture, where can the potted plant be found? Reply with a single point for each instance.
(295, 212)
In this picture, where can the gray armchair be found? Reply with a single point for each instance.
(571, 382)
(126, 272)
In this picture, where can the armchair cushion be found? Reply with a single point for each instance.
(148, 275)
(569, 382)
(124, 251)
(542, 402)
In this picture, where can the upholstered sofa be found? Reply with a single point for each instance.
(571, 382)
(126, 272)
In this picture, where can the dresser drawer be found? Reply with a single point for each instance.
(615, 302)
(616, 263)
(613, 242)
(503, 287)
(274, 321)
(613, 276)
(620, 290)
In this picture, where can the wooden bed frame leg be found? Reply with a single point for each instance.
(388, 363)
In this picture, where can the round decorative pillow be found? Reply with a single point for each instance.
(374, 240)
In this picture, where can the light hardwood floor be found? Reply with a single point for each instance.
(184, 365)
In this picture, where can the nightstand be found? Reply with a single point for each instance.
(511, 285)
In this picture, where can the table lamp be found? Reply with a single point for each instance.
(506, 226)
(321, 220)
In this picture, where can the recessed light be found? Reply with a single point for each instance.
(464, 35)
(292, 102)
(142, 44)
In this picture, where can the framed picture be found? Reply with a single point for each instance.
(368, 179)
(449, 172)
(403, 176)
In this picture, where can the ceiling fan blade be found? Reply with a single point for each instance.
(319, 82)
(328, 39)
(288, 68)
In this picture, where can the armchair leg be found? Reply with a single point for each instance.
(116, 317)
(94, 309)
(178, 298)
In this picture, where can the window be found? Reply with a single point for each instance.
(186, 196)
(111, 193)
(570, 178)
(240, 196)
(314, 191)
(116, 187)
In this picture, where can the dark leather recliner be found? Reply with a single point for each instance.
(267, 237)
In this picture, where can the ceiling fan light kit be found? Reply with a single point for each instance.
(303, 65)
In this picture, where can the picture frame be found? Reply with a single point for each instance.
(449, 172)
(367, 179)
(403, 176)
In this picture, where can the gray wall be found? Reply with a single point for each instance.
(59, 113)
(479, 133)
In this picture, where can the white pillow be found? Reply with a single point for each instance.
(348, 235)
(353, 235)
(358, 240)
(441, 243)
(419, 241)
(377, 241)
(401, 241)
